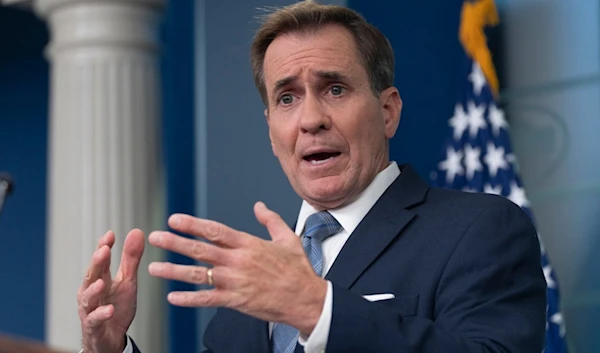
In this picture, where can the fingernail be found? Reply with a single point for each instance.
(155, 267)
(173, 296)
(174, 220)
(105, 310)
(155, 237)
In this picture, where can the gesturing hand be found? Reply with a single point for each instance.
(107, 305)
(270, 280)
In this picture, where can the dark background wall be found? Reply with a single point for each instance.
(23, 131)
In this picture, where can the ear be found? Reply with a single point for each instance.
(270, 135)
(391, 106)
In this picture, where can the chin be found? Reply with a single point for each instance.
(325, 195)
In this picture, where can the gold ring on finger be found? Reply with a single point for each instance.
(209, 275)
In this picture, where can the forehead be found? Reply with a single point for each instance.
(331, 48)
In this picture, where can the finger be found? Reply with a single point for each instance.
(194, 249)
(107, 239)
(99, 316)
(215, 232)
(133, 249)
(201, 298)
(183, 273)
(275, 225)
(91, 297)
(99, 264)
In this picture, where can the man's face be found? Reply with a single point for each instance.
(327, 127)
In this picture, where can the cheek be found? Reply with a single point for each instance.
(362, 133)
(283, 141)
(366, 139)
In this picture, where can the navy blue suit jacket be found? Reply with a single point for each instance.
(464, 268)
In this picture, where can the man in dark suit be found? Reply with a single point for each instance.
(378, 262)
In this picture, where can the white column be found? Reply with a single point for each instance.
(104, 155)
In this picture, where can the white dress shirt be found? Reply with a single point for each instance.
(129, 347)
(349, 217)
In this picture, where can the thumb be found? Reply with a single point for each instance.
(275, 225)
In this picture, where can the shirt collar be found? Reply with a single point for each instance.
(352, 214)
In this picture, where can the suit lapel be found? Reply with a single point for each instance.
(379, 228)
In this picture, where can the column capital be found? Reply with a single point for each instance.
(45, 7)
(78, 24)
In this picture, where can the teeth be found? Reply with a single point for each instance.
(315, 162)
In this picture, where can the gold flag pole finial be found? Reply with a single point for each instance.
(475, 16)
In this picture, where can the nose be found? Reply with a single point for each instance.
(314, 115)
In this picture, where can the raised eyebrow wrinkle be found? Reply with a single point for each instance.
(332, 75)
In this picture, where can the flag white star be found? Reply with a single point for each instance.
(548, 275)
(459, 121)
(452, 164)
(476, 119)
(558, 320)
(517, 195)
(469, 189)
(497, 119)
(495, 190)
(494, 158)
(477, 78)
(472, 161)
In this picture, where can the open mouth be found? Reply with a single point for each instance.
(320, 157)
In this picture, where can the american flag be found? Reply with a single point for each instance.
(477, 157)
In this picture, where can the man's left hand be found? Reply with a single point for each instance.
(270, 280)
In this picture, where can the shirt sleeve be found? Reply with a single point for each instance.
(317, 341)
(128, 347)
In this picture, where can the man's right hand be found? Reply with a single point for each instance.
(107, 305)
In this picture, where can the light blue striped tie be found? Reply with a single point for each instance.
(318, 227)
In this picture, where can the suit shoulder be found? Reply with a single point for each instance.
(464, 199)
(479, 221)
(468, 205)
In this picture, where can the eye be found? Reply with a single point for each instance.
(286, 98)
(336, 90)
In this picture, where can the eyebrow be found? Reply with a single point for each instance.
(283, 82)
(332, 75)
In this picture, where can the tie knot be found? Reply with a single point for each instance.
(321, 225)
